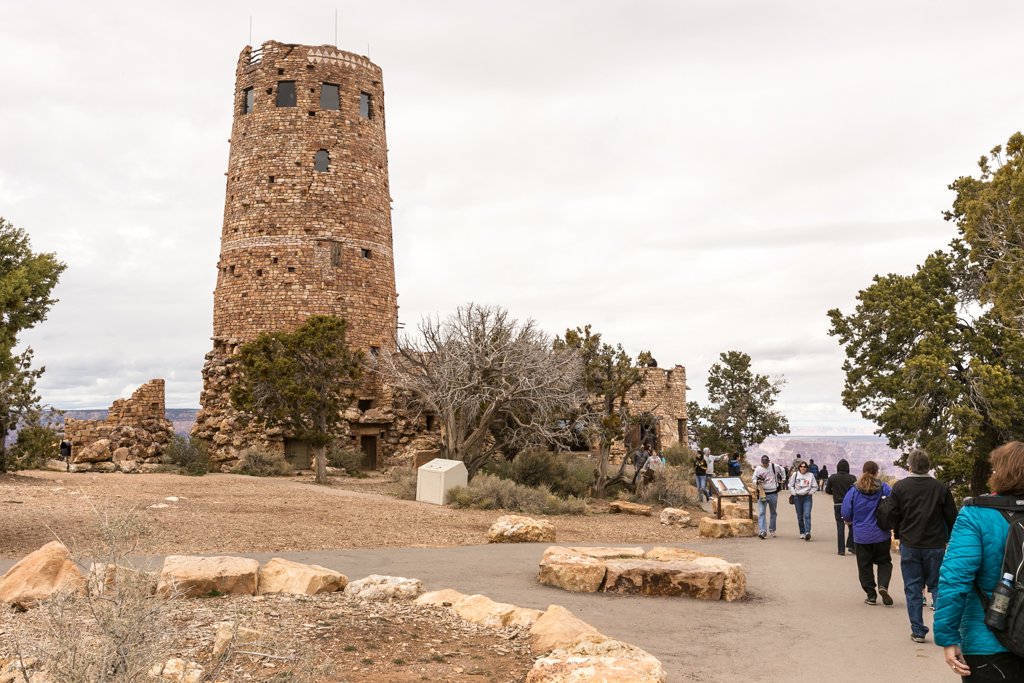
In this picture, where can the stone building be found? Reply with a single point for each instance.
(307, 231)
(130, 439)
(658, 404)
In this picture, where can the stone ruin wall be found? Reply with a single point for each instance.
(298, 241)
(131, 439)
(662, 393)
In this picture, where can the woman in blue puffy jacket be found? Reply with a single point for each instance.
(975, 556)
(872, 550)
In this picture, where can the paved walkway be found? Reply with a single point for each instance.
(804, 622)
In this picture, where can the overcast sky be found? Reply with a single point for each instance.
(688, 177)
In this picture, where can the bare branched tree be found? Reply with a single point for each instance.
(495, 383)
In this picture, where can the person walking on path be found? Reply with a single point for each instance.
(837, 485)
(822, 477)
(767, 478)
(700, 467)
(974, 562)
(859, 505)
(923, 514)
(803, 485)
(813, 470)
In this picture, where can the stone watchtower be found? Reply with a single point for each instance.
(307, 227)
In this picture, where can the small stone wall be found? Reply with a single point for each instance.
(131, 439)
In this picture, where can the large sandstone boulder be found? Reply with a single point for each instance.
(377, 587)
(603, 553)
(285, 576)
(194, 577)
(608, 661)
(40, 575)
(571, 571)
(630, 508)
(736, 511)
(558, 627)
(675, 517)
(726, 528)
(96, 451)
(479, 609)
(658, 577)
(520, 529)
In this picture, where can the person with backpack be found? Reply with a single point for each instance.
(980, 548)
(803, 485)
(922, 513)
(735, 469)
(859, 505)
(837, 485)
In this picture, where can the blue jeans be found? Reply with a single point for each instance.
(702, 487)
(770, 500)
(803, 512)
(920, 567)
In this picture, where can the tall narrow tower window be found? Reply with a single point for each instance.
(329, 98)
(248, 99)
(286, 93)
(365, 105)
(322, 160)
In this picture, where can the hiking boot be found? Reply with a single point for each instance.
(916, 638)
(842, 554)
(807, 537)
(871, 600)
(762, 535)
(884, 592)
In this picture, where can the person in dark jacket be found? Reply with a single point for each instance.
(859, 505)
(838, 484)
(973, 562)
(923, 513)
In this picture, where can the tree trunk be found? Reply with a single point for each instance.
(979, 476)
(320, 457)
(604, 453)
(3, 449)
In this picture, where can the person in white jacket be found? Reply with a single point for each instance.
(803, 486)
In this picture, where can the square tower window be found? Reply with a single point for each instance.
(365, 105)
(366, 253)
(286, 93)
(364, 404)
(322, 160)
(248, 100)
(329, 98)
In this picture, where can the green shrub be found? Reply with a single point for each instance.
(404, 483)
(348, 459)
(679, 455)
(566, 475)
(36, 443)
(487, 492)
(672, 487)
(188, 454)
(260, 462)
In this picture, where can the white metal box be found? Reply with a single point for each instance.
(437, 477)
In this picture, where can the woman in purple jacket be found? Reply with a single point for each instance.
(858, 510)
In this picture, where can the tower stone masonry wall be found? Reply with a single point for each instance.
(662, 393)
(300, 240)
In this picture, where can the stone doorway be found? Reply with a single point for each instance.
(297, 453)
(368, 445)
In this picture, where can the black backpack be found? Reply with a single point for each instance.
(883, 513)
(1012, 638)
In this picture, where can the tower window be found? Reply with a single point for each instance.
(329, 98)
(374, 351)
(365, 105)
(366, 253)
(248, 100)
(291, 269)
(286, 93)
(322, 160)
(364, 404)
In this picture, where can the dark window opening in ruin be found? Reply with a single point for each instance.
(280, 72)
(329, 97)
(291, 269)
(322, 160)
(248, 100)
(273, 259)
(429, 422)
(366, 253)
(231, 269)
(270, 91)
(286, 94)
(259, 272)
(312, 113)
(365, 105)
(374, 351)
(364, 404)
(270, 179)
(336, 254)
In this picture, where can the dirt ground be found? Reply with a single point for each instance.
(222, 513)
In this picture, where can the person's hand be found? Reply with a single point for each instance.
(955, 659)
